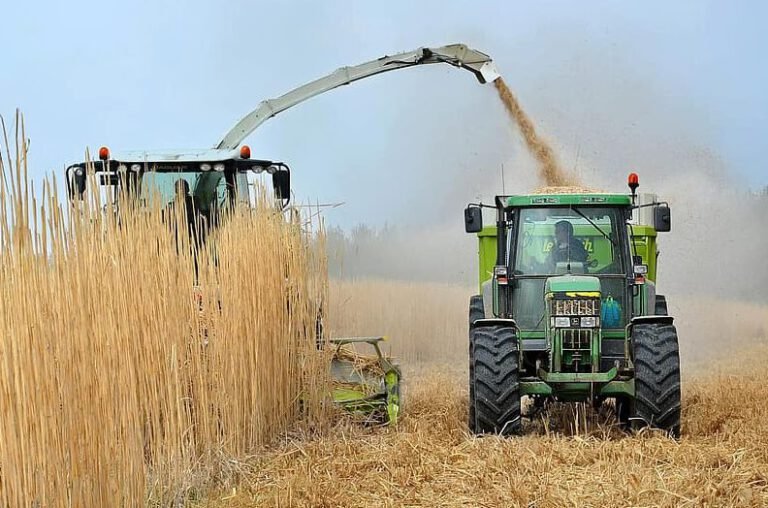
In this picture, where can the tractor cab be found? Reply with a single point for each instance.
(588, 243)
(567, 283)
(214, 179)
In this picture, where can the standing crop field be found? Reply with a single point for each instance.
(132, 373)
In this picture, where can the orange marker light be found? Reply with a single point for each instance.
(633, 181)
(245, 152)
(103, 153)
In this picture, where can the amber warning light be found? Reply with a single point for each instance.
(634, 182)
(103, 153)
(245, 152)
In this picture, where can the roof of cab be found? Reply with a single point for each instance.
(204, 155)
(569, 199)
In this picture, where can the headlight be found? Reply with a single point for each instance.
(589, 322)
(218, 167)
(136, 167)
(562, 322)
(272, 170)
(205, 167)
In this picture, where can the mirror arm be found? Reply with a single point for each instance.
(480, 205)
(657, 203)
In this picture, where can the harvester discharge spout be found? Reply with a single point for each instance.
(457, 55)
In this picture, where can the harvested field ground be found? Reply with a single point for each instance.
(721, 460)
(569, 457)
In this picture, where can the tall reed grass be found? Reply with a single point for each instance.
(125, 378)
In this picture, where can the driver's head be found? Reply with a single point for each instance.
(563, 231)
(182, 188)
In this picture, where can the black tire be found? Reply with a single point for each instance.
(657, 377)
(496, 394)
(661, 306)
(476, 311)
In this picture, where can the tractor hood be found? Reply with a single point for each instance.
(572, 284)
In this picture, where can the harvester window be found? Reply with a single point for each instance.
(558, 240)
(207, 189)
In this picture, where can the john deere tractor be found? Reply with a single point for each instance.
(568, 310)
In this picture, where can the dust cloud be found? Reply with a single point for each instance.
(551, 173)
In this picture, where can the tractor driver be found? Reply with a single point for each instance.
(567, 248)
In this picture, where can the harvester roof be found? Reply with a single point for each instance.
(180, 160)
(207, 155)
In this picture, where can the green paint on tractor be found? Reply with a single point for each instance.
(569, 199)
(572, 283)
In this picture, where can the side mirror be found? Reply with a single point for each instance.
(662, 219)
(281, 181)
(473, 219)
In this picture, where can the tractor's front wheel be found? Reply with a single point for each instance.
(657, 376)
(476, 311)
(496, 381)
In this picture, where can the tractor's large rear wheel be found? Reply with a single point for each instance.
(496, 374)
(476, 311)
(657, 377)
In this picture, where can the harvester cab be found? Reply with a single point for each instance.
(216, 179)
(568, 309)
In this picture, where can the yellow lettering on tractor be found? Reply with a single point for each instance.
(590, 294)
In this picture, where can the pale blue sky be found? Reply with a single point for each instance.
(650, 86)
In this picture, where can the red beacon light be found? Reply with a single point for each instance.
(634, 182)
(245, 152)
(103, 153)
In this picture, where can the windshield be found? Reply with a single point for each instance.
(208, 190)
(554, 241)
(573, 239)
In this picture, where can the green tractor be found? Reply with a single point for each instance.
(568, 310)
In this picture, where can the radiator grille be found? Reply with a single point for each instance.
(577, 307)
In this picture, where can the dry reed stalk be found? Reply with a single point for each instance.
(120, 383)
(361, 361)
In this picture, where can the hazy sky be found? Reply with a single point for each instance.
(616, 86)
